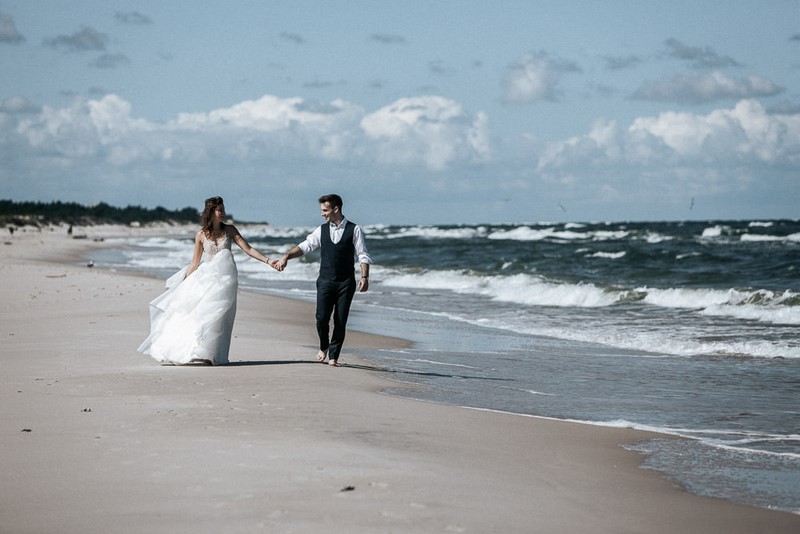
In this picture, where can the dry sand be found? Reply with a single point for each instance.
(95, 437)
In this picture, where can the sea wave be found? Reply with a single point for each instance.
(428, 232)
(794, 238)
(674, 340)
(277, 232)
(519, 288)
(759, 305)
(526, 233)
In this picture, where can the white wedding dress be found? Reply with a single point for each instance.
(193, 318)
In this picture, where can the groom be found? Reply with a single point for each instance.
(340, 241)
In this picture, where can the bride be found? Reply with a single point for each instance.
(192, 321)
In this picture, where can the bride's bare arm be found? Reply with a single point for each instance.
(245, 246)
(198, 253)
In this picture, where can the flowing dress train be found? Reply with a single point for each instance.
(193, 318)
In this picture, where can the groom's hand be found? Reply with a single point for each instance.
(363, 284)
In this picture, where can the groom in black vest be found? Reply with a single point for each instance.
(339, 241)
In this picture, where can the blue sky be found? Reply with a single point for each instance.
(414, 111)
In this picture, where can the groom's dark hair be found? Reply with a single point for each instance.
(335, 200)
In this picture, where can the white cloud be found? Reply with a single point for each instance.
(535, 77)
(601, 144)
(697, 88)
(428, 129)
(651, 169)
(745, 134)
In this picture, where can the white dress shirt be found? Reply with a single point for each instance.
(314, 240)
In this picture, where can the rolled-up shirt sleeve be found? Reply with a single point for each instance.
(361, 246)
(312, 242)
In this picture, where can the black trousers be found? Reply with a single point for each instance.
(333, 298)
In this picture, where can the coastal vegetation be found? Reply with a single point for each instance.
(48, 213)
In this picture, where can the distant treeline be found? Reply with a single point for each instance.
(43, 213)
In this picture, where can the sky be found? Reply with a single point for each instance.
(415, 112)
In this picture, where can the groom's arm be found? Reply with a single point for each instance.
(312, 242)
(295, 252)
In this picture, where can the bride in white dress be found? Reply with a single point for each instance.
(192, 321)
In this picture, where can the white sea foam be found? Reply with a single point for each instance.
(795, 238)
(764, 314)
(760, 305)
(714, 231)
(603, 235)
(528, 290)
(519, 288)
(433, 232)
(674, 341)
(654, 238)
(684, 298)
(171, 259)
(609, 255)
(526, 233)
(264, 231)
(428, 361)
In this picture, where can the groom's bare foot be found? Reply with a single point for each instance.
(334, 363)
(321, 355)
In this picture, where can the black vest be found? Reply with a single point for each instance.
(336, 259)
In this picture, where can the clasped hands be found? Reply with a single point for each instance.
(278, 265)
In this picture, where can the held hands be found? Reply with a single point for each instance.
(279, 265)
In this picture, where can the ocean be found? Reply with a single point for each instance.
(689, 329)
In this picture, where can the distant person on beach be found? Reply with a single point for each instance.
(340, 242)
(192, 321)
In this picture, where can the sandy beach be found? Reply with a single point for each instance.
(98, 438)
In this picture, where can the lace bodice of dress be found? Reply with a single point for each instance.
(211, 246)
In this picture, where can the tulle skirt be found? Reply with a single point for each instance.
(193, 318)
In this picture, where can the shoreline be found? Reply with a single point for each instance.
(279, 438)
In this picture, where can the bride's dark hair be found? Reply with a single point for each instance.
(207, 218)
